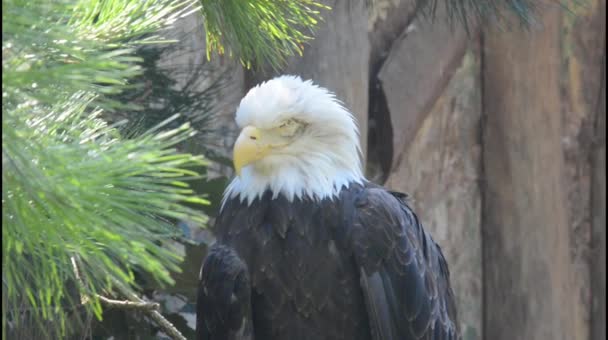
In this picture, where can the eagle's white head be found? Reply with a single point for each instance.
(297, 140)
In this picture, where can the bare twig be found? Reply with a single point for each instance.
(133, 302)
(83, 298)
(127, 304)
(166, 326)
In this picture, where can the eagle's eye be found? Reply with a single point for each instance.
(290, 127)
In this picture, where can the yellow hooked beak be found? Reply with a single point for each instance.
(249, 147)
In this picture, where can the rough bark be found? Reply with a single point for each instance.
(416, 72)
(440, 172)
(338, 59)
(598, 255)
(388, 22)
(528, 292)
(582, 48)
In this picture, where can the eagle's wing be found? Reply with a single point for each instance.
(404, 276)
(223, 306)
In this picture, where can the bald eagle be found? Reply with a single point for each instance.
(306, 247)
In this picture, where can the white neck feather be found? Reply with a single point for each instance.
(312, 174)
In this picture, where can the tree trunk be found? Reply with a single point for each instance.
(440, 171)
(527, 272)
(598, 256)
(583, 37)
(416, 72)
(388, 23)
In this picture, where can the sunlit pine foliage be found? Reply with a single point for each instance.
(72, 187)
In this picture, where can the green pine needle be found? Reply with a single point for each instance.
(73, 187)
(262, 31)
(88, 45)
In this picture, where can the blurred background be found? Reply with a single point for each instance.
(497, 133)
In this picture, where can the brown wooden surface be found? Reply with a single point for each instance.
(598, 255)
(583, 36)
(528, 289)
(388, 23)
(440, 171)
(415, 74)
